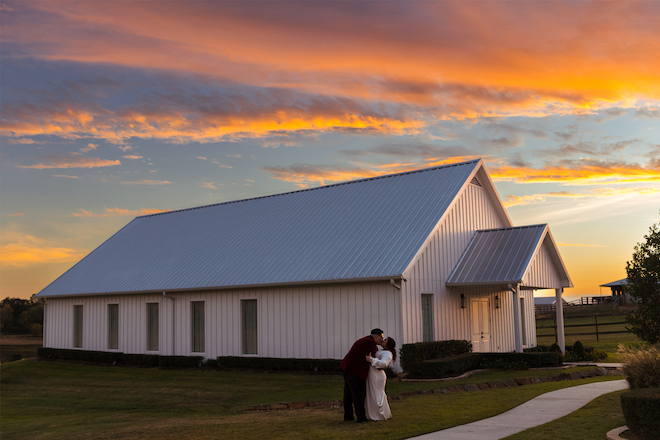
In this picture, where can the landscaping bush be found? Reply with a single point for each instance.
(279, 364)
(448, 366)
(641, 366)
(106, 357)
(413, 354)
(641, 409)
(520, 360)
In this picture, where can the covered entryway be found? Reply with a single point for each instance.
(510, 261)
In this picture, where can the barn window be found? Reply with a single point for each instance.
(78, 326)
(197, 326)
(427, 317)
(249, 325)
(152, 326)
(113, 326)
(522, 321)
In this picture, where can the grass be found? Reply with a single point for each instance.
(591, 422)
(50, 400)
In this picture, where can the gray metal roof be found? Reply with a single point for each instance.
(497, 256)
(364, 229)
(619, 283)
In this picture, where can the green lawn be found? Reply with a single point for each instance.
(51, 400)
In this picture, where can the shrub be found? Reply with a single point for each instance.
(449, 366)
(413, 354)
(36, 329)
(641, 366)
(502, 364)
(520, 360)
(641, 409)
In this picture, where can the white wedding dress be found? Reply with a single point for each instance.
(375, 404)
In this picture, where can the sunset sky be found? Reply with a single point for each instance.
(113, 109)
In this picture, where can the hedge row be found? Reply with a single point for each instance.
(104, 357)
(413, 354)
(641, 409)
(455, 365)
(278, 364)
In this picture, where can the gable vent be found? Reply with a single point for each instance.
(475, 181)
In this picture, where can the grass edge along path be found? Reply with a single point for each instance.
(44, 400)
(591, 422)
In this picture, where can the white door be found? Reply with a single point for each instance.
(480, 323)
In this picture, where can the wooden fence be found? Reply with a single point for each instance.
(598, 326)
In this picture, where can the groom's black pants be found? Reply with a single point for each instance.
(355, 391)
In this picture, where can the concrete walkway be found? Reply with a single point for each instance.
(539, 410)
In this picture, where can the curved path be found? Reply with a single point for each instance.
(541, 409)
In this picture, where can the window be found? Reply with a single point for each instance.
(78, 326)
(113, 326)
(152, 326)
(427, 317)
(197, 326)
(249, 325)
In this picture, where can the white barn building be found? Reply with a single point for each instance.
(425, 255)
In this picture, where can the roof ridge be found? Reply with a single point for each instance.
(316, 188)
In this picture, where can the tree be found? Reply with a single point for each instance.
(17, 315)
(644, 287)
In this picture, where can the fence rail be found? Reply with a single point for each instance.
(596, 324)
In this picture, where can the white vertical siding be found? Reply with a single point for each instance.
(318, 321)
(542, 271)
(473, 210)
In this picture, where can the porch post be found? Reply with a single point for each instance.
(517, 328)
(559, 309)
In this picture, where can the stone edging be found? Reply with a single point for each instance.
(614, 434)
(451, 389)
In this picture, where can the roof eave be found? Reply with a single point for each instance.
(242, 286)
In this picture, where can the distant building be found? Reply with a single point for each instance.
(426, 255)
(618, 293)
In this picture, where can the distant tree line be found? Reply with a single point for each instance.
(21, 316)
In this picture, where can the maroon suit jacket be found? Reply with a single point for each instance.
(354, 362)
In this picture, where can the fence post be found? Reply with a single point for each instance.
(556, 336)
(597, 337)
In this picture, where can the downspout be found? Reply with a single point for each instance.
(398, 286)
(173, 322)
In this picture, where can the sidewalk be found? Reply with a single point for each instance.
(539, 410)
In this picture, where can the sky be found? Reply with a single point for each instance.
(114, 109)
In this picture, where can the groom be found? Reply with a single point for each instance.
(356, 370)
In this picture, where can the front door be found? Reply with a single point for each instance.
(480, 314)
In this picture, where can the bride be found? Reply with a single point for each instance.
(376, 405)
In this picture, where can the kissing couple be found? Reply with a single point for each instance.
(364, 377)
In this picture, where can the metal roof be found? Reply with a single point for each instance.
(619, 283)
(365, 229)
(498, 256)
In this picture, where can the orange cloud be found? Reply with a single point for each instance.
(116, 212)
(177, 124)
(72, 162)
(514, 200)
(456, 59)
(585, 172)
(22, 250)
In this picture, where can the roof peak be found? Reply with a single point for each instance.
(384, 176)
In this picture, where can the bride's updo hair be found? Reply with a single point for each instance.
(391, 346)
